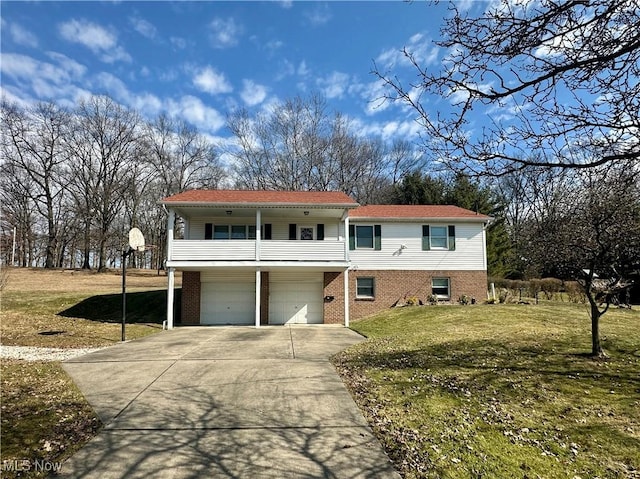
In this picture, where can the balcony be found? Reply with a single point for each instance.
(245, 250)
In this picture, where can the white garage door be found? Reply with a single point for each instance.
(294, 302)
(228, 302)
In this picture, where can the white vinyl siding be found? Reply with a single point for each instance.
(469, 254)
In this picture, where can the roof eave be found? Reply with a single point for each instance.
(400, 219)
(202, 204)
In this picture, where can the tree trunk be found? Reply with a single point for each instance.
(596, 348)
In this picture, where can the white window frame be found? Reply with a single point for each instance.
(373, 237)
(441, 296)
(445, 237)
(373, 288)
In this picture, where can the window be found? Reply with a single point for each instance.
(220, 232)
(224, 232)
(364, 237)
(438, 237)
(440, 288)
(238, 232)
(364, 288)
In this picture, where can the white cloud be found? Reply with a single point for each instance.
(318, 15)
(178, 42)
(423, 51)
(211, 81)
(389, 130)
(303, 70)
(22, 36)
(195, 112)
(334, 85)
(96, 38)
(252, 93)
(46, 80)
(73, 68)
(143, 27)
(224, 32)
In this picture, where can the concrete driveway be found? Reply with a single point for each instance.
(225, 402)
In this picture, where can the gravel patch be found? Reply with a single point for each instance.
(31, 353)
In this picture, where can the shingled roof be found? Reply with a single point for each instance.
(252, 197)
(415, 212)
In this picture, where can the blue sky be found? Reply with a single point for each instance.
(200, 60)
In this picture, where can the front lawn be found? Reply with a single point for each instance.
(498, 391)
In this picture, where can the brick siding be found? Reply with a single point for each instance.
(390, 287)
(334, 308)
(264, 297)
(190, 298)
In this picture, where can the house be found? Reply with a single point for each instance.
(284, 257)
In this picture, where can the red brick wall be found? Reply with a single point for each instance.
(334, 309)
(190, 297)
(393, 286)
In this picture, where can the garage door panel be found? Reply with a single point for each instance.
(295, 302)
(227, 303)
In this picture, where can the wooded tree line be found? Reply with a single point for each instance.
(74, 181)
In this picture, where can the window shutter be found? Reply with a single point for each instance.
(208, 230)
(267, 231)
(377, 237)
(426, 244)
(292, 231)
(320, 231)
(352, 237)
(452, 237)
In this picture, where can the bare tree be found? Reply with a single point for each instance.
(591, 235)
(35, 140)
(299, 145)
(551, 77)
(181, 157)
(105, 147)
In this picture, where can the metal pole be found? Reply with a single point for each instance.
(124, 291)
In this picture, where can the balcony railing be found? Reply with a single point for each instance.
(245, 250)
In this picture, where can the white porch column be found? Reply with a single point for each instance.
(346, 298)
(258, 288)
(258, 233)
(171, 221)
(346, 235)
(170, 286)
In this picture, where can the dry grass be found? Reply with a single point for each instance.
(34, 299)
(44, 415)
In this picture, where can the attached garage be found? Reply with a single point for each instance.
(227, 298)
(295, 298)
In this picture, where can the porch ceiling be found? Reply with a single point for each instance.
(266, 212)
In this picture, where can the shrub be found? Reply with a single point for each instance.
(574, 292)
(432, 299)
(411, 301)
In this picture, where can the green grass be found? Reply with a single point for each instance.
(500, 391)
(44, 415)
